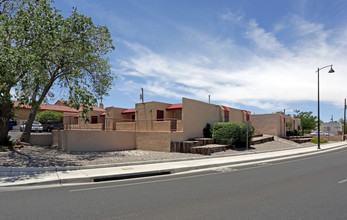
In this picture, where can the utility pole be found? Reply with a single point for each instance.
(344, 122)
(141, 95)
(209, 98)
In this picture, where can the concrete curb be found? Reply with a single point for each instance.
(86, 178)
(69, 168)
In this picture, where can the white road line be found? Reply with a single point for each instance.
(140, 183)
(209, 174)
(343, 181)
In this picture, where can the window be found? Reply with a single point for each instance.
(94, 119)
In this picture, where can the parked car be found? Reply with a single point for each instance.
(52, 125)
(11, 124)
(37, 126)
(321, 133)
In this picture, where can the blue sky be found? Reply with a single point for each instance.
(261, 56)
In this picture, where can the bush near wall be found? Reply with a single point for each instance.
(45, 116)
(231, 133)
(207, 131)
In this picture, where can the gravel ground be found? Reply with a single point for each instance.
(46, 156)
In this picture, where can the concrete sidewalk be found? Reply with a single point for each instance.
(63, 175)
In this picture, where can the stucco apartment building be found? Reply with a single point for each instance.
(71, 115)
(274, 124)
(332, 128)
(150, 126)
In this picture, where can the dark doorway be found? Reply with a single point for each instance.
(160, 115)
(94, 120)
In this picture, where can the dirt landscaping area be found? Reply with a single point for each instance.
(47, 156)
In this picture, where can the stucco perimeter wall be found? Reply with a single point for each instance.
(154, 141)
(41, 139)
(177, 136)
(77, 140)
(272, 124)
(179, 125)
(125, 126)
(161, 125)
(195, 115)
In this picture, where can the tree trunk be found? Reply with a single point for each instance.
(29, 124)
(5, 116)
(34, 108)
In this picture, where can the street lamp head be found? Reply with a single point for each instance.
(331, 69)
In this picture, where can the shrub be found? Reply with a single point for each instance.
(207, 131)
(315, 140)
(7, 142)
(231, 133)
(294, 133)
(45, 116)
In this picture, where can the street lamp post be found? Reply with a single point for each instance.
(330, 71)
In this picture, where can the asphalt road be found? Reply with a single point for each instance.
(306, 188)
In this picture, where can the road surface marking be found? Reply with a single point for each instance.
(343, 181)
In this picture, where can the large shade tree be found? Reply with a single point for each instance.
(40, 49)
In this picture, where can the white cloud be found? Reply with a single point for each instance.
(264, 40)
(231, 16)
(269, 77)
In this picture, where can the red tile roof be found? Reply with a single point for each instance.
(58, 108)
(175, 106)
(129, 111)
(225, 108)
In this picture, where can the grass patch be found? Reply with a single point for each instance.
(315, 141)
(6, 148)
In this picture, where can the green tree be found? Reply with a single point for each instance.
(61, 52)
(45, 116)
(308, 121)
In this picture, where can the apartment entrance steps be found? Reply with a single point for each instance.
(299, 139)
(261, 138)
(203, 146)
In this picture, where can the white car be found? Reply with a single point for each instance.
(321, 133)
(37, 126)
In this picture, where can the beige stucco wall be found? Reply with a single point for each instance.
(41, 139)
(114, 115)
(85, 127)
(77, 140)
(125, 126)
(146, 113)
(22, 113)
(101, 119)
(334, 128)
(55, 137)
(272, 124)
(177, 136)
(298, 124)
(179, 125)
(195, 115)
(236, 115)
(70, 118)
(288, 120)
(155, 141)
(161, 125)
